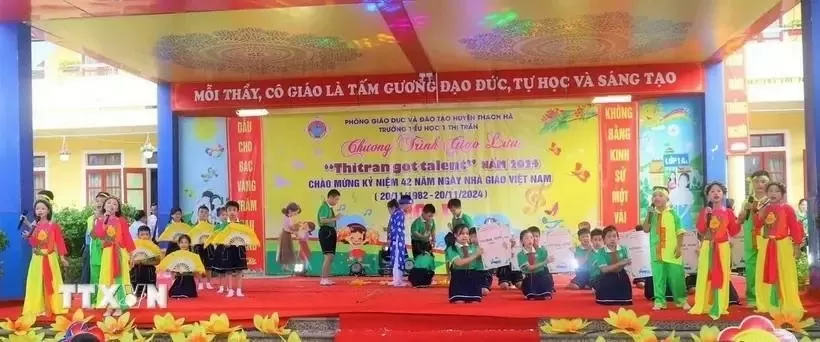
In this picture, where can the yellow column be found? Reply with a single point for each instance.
(736, 183)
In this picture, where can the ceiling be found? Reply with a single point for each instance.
(217, 40)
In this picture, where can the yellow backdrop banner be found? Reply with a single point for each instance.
(529, 166)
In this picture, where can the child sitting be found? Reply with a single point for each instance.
(465, 269)
(597, 237)
(613, 286)
(536, 284)
(583, 253)
(485, 277)
(536, 237)
(423, 270)
(144, 271)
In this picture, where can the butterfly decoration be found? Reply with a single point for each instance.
(209, 175)
(555, 149)
(553, 211)
(188, 192)
(550, 114)
(215, 151)
(580, 172)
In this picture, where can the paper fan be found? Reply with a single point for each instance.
(201, 233)
(174, 231)
(145, 249)
(237, 234)
(182, 262)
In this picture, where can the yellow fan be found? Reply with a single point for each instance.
(174, 231)
(201, 233)
(145, 250)
(182, 262)
(237, 234)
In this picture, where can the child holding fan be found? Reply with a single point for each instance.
(716, 224)
(461, 256)
(117, 246)
(145, 257)
(236, 237)
(173, 231)
(666, 238)
(613, 286)
(533, 261)
(198, 236)
(778, 241)
(48, 250)
(184, 265)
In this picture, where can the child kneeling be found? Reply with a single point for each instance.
(537, 284)
(423, 270)
(466, 272)
(612, 287)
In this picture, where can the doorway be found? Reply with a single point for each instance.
(153, 182)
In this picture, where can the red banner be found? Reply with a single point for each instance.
(441, 87)
(738, 141)
(245, 179)
(619, 165)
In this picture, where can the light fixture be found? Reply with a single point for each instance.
(242, 113)
(147, 148)
(65, 155)
(612, 99)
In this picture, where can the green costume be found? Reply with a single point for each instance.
(667, 269)
(94, 246)
(750, 258)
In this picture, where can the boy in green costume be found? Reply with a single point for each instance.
(93, 245)
(666, 237)
(755, 202)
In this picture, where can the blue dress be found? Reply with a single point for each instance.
(398, 248)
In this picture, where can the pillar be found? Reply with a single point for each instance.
(167, 156)
(811, 72)
(16, 152)
(714, 125)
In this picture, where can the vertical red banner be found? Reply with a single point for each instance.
(738, 140)
(619, 165)
(245, 179)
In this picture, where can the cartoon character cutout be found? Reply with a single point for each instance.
(302, 235)
(357, 238)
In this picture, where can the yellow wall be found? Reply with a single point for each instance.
(67, 178)
(793, 125)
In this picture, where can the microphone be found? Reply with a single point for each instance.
(22, 219)
(709, 214)
(107, 217)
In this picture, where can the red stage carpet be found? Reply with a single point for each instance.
(374, 305)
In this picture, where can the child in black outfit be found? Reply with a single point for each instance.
(423, 270)
(485, 277)
(613, 286)
(184, 285)
(583, 253)
(536, 237)
(144, 272)
(537, 285)
(466, 274)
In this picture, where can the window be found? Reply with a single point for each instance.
(768, 153)
(93, 67)
(39, 174)
(103, 173)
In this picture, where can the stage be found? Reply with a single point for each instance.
(378, 308)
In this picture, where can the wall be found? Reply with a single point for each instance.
(67, 178)
(793, 124)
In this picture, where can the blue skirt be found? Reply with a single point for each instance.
(234, 259)
(613, 289)
(465, 285)
(582, 279)
(505, 274)
(537, 285)
(203, 255)
(184, 286)
(420, 277)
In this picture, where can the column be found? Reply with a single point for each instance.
(714, 125)
(811, 72)
(167, 156)
(16, 175)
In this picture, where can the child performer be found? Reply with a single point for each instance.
(178, 226)
(459, 217)
(184, 285)
(423, 230)
(423, 270)
(717, 224)
(285, 255)
(462, 259)
(666, 238)
(533, 260)
(203, 230)
(326, 218)
(93, 245)
(216, 249)
(613, 286)
(398, 248)
(44, 279)
(754, 203)
(778, 241)
(303, 231)
(144, 272)
(583, 254)
(597, 237)
(234, 259)
(117, 246)
(536, 236)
